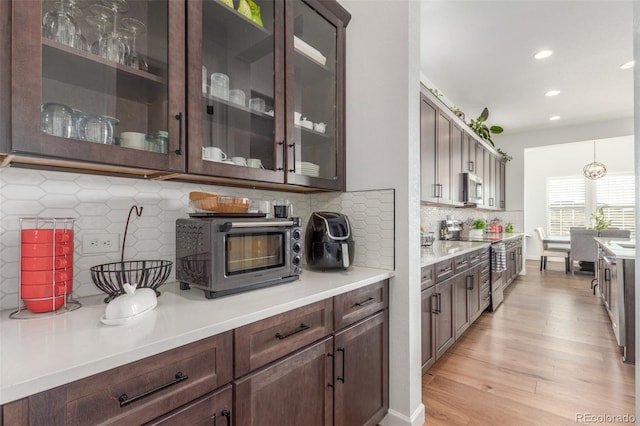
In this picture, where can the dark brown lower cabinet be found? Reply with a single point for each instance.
(293, 391)
(428, 332)
(444, 327)
(214, 409)
(461, 286)
(361, 372)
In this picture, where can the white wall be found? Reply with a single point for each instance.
(383, 145)
(515, 145)
(566, 160)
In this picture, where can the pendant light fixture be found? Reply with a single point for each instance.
(594, 170)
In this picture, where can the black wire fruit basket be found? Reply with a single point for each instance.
(110, 277)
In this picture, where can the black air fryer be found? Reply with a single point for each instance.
(328, 241)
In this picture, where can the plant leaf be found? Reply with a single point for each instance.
(496, 130)
(485, 114)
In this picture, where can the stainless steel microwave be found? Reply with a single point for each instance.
(225, 255)
(471, 189)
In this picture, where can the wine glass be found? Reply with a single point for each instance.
(59, 23)
(135, 27)
(100, 18)
(113, 45)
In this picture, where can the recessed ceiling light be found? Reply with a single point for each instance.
(554, 118)
(552, 93)
(543, 54)
(627, 65)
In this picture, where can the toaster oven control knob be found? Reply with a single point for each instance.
(296, 260)
(297, 234)
(296, 247)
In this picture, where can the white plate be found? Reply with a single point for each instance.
(128, 320)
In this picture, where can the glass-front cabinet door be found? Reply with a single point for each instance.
(315, 96)
(101, 81)
(236, 87)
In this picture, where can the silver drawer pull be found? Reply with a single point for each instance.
(364, 303)
(302, 327)
(125, 400)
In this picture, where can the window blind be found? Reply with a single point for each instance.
(616, 194)
(566, 198)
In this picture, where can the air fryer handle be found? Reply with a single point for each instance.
(345, 255)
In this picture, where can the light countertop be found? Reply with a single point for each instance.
(443, 250)
(621, 249)
(42, 353)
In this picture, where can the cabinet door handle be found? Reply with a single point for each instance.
(471, 166)
(293, 146)
(125, 400)
(433, 310)
(469, 287)
(333, 370)
(365, 302)
(227, 414)
(284, 153)
(302, 327)
(607, 277)
(178, 117)
(341, 378)
(439, 302)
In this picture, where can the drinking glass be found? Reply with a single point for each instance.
(100, 18)
(95, 128)
(136, 27)
(60, 24)
(113, 45)
(57, 120)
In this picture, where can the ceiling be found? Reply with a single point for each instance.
(480, 53)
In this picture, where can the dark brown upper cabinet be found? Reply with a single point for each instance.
(187, 89)
(266, 97)
(89, 84)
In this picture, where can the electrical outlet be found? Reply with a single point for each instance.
(100, 243)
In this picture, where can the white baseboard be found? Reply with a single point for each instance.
(394, 418)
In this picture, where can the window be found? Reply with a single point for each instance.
(616, 194)
(573, 199)
(566, 201)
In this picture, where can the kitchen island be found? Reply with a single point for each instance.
(616, 287)
(43, 353)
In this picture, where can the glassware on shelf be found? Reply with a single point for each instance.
(59, 24)
(100, 18)
(113, 44)
(135, 27)
(56, 119)
(95, 128)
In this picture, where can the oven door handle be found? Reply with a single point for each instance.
(229, 225)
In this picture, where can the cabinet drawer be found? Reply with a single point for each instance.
(140, 391)
(475, 257)
(443, 270)
(261, 342)
(486, 253)
(213, 409)
(427, 277)
(461, 263)
(355, 305)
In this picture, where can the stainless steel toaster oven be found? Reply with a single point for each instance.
(225, 255)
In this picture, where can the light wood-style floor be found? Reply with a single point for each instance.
(546, 356)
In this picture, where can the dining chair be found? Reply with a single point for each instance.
(583, 246)
(615, 233)
(549, 250)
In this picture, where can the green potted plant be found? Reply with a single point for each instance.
(599, 220)
(478, 228)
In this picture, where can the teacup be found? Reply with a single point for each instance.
(256, 163)
(213, 153)
(239, 161)
(320, 127)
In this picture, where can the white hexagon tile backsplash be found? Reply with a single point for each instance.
(101, 205)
